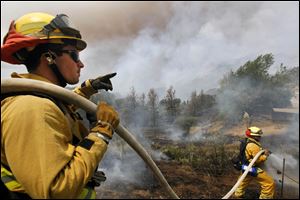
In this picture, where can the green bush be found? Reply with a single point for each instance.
(213, 158)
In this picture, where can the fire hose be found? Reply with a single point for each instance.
(14, 85)
(243, 175)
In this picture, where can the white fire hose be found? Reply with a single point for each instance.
(243, 176)
(15, 85)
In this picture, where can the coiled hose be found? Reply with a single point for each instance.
(243, 175)
(15, 85)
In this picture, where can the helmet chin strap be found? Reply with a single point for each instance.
(61, 79)
(50, 56)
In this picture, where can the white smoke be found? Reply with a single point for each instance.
(189, 45)
(122, 164)
(200, 43)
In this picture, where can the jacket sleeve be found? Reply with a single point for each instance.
(39, 151)
(84, 91)
(251, 150)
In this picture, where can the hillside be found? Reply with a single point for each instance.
(191, 180)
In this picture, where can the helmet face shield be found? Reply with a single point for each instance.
(62, 23)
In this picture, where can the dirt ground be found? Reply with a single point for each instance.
(190, 183)
(187, 184)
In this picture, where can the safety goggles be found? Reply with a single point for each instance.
(62, 23)
(73, 54)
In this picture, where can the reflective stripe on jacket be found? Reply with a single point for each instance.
(13, 185)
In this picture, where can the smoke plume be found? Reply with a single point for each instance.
(189, 45)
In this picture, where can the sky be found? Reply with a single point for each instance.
(187, 45)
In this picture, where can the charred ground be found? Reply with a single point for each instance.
(196, 169)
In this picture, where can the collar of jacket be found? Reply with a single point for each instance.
(254, 141)
(29, 76)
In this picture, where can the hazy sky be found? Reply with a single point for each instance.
(189, 45)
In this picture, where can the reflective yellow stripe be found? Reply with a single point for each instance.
(87, 193)
(12, 184)
(6, 179)
(9, 180)
(83, 193)
(93, 194)
(5, 172)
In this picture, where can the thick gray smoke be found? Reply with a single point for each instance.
(189, 45)
(124, 167)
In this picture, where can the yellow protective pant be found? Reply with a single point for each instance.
(266, 182)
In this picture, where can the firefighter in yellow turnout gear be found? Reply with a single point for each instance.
(46, 152)
(266, 182)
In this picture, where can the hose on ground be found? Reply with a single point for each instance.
(15, 85)
(243, 175)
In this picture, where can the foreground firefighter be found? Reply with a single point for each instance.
(249, 148)
(45, 150)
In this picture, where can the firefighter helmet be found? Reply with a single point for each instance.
(36, 28)
(254, 131)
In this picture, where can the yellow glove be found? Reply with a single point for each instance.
(267, 152)
(108, 120)
(85, 89)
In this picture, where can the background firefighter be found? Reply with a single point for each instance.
(253, 146)
(45, 150)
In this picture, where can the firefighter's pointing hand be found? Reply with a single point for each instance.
(91, 86)
(103, 82)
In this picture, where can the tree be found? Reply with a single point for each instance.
(132, 100)
(206, 102)
(193, 106)
(131, 106)
(171, 105)
(252, 89)
(153, 107)
(143, 100)
(142, 117)
(286, 76)
(256, 70)
(199, 104)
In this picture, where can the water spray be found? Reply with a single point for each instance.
(283, 176)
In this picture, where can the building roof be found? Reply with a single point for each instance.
(286, 110)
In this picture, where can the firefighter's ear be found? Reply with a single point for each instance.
(50, 57)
